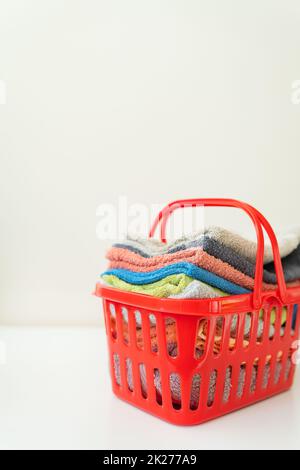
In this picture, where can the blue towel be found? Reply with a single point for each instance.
(178, 268)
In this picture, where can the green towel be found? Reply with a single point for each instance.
(177, 286)
(170, 285)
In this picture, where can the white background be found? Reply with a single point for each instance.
(151, 100)
(61, 398)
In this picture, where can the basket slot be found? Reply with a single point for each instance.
(265, 374)
(210, 345)
(154, 335)
(254, 376)
(200, 343)
(233, 333)
(158, 386)
(296, 321)
(219, 332)
(289, 368)
(213, 380)
(129, 374)
(227, 384)
(175, 387)
(139, 337)
(116, 369)
(245, 371)
(283, 360)
(248, 329)
(195, 391)
(272, 365)
(143, 380)
(111, 324)
(122, 325)
(278, 367)
(272, 328)
(242, 373)
(283, 326)
(170, 332)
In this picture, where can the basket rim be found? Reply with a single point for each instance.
(219, 305)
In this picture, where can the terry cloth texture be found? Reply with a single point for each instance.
(291, 263)
(171, 286)
(199, 290)
(287, 242)
(178, 268)
(121, 258)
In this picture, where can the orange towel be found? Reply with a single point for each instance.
(121, 258)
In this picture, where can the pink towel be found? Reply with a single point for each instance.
(121, 258)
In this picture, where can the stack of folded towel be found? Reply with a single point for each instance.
(208, 264)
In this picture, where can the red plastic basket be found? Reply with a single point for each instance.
(202, 380)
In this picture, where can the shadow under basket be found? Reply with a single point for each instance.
(189, 361)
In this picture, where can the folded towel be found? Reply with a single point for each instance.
(177, 286)
(287, 242)
(125, 259)
(291, 263)
(170, 285)
(189, 269)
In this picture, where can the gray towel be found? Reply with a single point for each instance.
(287, 242)
(291, 263)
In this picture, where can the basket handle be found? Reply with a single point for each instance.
(259, 222)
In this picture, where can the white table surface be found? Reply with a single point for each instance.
(55, 393)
